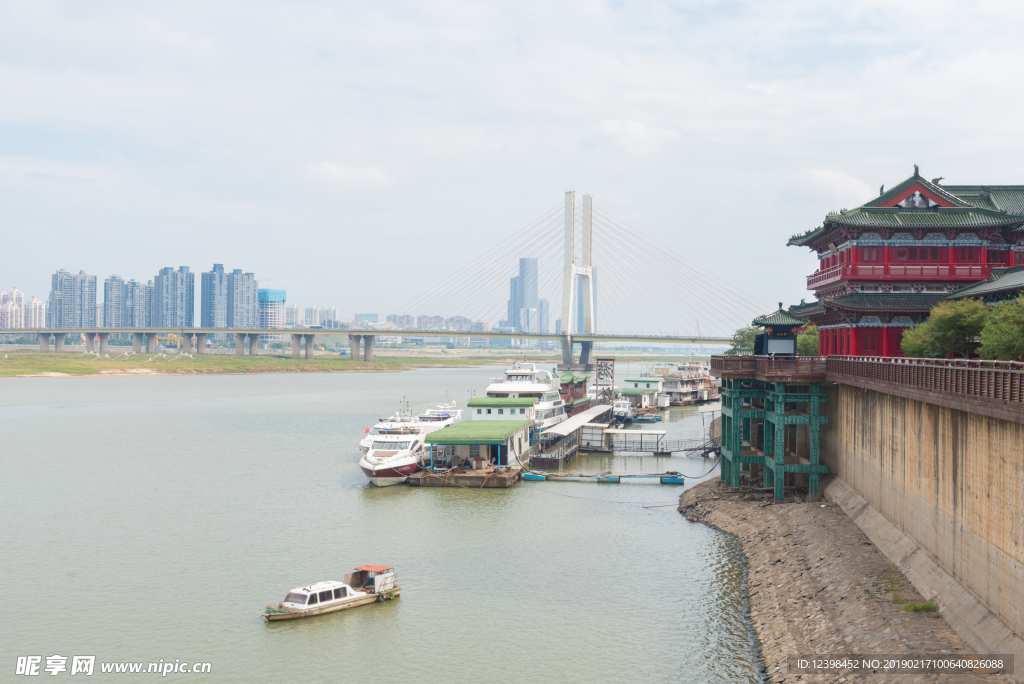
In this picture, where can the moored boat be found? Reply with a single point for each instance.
(375, 583)
(395, 448)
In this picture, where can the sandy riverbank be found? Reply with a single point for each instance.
(818, 586)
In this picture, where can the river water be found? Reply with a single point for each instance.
(150, 518)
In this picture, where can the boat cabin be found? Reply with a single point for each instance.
(502, 408)
(319, 594)
(388, 445)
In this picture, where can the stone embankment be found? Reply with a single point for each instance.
(818, 586)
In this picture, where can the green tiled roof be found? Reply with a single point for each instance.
(646, 379)
(576, 402)
(636, 391)
(477, 432)
(942, 191)
(1005, 280)
(885, 302)
(568, 376)
(976, 206)
(801, 310)
(501, 402)
(779, 317)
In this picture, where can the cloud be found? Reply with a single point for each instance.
(833, 186)
(329, 172)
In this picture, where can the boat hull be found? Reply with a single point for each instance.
(385, 475)
(313, 612)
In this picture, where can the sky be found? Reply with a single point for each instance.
(350, 153)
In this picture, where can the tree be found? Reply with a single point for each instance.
(951, 328)
(743, 340)
(919, 342)
(1003, 334)
(807, 342)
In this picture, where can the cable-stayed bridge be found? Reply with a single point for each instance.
(605, 281)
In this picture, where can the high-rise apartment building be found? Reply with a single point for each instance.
(271, 311)
(10, 315)
(34, 314)
(138, 304)
(365, 318)
(72, 300)
(480, 325)
(242, 300)
(174, 298)
(115, 302)
(544, 315)
(430, 322)
(213, 306)
(404, 321)
(292, 316)
(11, 309)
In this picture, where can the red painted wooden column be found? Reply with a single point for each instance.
(853, 341)
(885, 260)
(885, 341)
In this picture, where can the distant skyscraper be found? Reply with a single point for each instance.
(365, 318)
(72, 300)
(271, 311)
(242, 300)
(544, 315)
(138, 304)
(115, 304)
(213, 307)
(292, 316)
(522, 292)
(174, 298)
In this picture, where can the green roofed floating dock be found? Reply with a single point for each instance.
(477, 453)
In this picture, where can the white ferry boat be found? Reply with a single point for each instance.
(394, 448)
(374, 582)
(623, 410)
(526, 381)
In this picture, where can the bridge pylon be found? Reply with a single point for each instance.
(584, 271)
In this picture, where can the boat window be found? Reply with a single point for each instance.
(313, 600)
(374, 431)
(488, 411)
(478, 411)
(501, 411)
(390, 446)
(294, 597)
(326, 595)
(474, 451)
(340, 593)
(522, 411)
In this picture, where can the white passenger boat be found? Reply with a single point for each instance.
(368, 584)
(623, 410)
(395, 447)
(525, 380)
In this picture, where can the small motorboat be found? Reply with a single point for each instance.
(368, 584)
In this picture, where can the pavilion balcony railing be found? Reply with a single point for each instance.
(899, 272)
(770, 368)
(988, 380)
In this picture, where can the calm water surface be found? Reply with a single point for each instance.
(155, 517)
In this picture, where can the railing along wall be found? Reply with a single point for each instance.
(771, 368)
(993, 388)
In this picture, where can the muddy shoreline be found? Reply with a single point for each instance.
(817, 586)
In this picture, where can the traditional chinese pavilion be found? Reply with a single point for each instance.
(883, 265)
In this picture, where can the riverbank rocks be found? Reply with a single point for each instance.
(818, 586)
